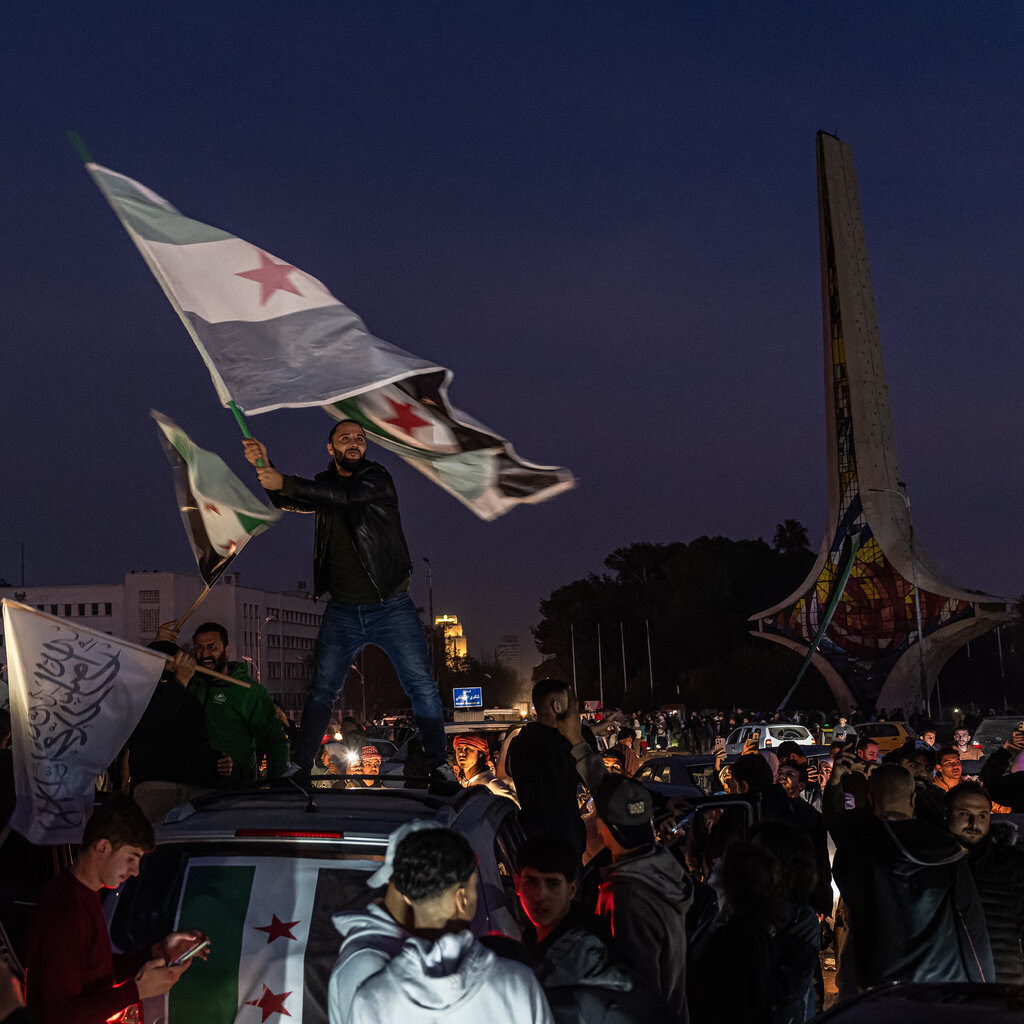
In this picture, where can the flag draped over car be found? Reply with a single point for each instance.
(76, 696)
(219, 512)
(274, 337)
(269, 922)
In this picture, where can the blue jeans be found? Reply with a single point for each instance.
(394, 626)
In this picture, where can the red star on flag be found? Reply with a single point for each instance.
(212, 508)
(277, 929)
(271, 277)
(405, 419)
(270, 1003)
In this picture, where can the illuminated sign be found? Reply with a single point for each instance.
(468, 697)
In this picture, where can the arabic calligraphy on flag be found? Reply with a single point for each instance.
(76, 695)
(274, 337)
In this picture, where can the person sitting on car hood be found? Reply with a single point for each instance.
(413, 958)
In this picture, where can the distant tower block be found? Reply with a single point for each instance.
(454, 641)
(871, 651)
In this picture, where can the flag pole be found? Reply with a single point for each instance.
(195, 604)
(243, 426)
(169, 664)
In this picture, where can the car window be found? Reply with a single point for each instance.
(879, 731)
(781, 733)
(704, 777)
(644, 772)
(734, 737)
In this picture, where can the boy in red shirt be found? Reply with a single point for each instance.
(72, 976)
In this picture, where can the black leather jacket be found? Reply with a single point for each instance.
(369, 503)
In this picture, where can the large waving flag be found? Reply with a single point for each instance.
(219, 512)
(273, 337)
(76, 696)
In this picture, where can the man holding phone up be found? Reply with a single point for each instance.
(1003, 774)
(72, 975)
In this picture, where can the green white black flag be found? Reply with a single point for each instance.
(274, 337)
(219, 512)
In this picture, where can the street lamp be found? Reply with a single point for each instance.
(917, 593)
(259, 648)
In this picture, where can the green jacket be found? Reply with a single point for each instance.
(242, 723)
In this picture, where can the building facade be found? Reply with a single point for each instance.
(275, 632)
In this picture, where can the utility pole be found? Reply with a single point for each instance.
(600, 669)
(650, 663)
(622, 642)
(572, 645)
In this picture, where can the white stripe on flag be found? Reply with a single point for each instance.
(207, 278)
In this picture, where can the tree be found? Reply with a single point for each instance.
(692, 601)
(790, 537)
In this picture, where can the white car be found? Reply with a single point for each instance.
(768, 736)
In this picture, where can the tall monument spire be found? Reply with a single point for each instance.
(898, 619)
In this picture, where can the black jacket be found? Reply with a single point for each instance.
(913, 906)
(1005, 787)
(998, 870)
(541, 764)
(171, 743)
(369, 503)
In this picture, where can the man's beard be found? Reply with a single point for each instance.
(347, 464)
(217, 664)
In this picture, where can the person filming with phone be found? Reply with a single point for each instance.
(72, 976)
(1003, 774)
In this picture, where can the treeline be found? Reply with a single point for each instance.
(693, 601)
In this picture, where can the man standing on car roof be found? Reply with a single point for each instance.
(361, 558)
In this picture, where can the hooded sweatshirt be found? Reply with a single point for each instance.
(454, 980)
(644, 898)
(369, 940)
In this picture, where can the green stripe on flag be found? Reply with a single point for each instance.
(150, 215)
(216, 901)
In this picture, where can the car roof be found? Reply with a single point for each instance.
(371, 813)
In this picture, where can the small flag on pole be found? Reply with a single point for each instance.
(76, 695)
(274, 337)
(219, 512)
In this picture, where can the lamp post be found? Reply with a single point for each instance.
(917, 595)
(430, 625)
(259, 649)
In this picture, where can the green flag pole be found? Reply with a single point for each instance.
(79, 147)
(833, 603)
(243, 426)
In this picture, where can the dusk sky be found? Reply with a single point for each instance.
(602, 216)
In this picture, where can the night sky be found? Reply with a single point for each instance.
(602, 216)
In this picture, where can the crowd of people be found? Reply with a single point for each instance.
(628, 914)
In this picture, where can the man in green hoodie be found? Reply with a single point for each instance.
(240, 720)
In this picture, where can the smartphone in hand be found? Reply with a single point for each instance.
(190, 952)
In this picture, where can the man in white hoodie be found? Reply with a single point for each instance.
(411, 959)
